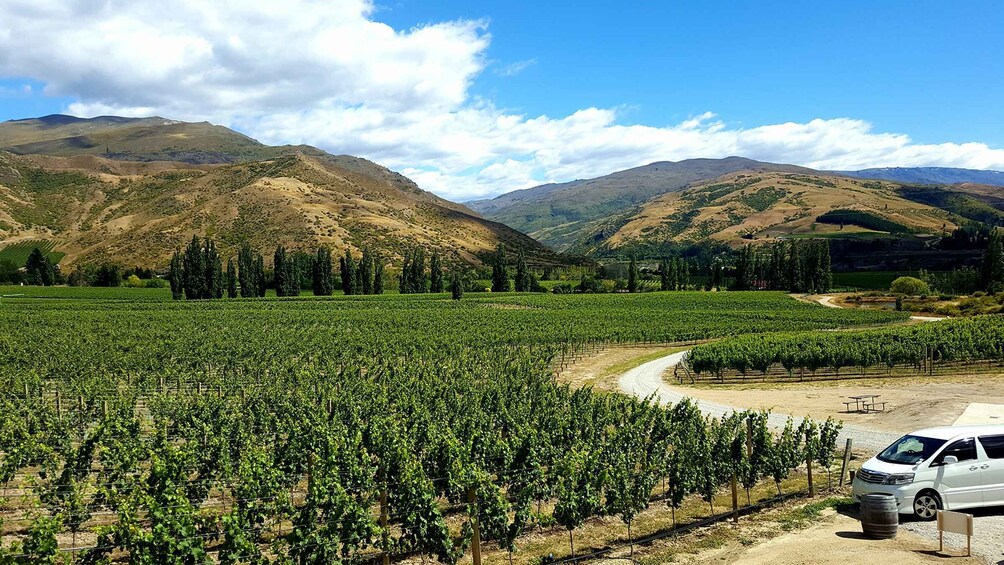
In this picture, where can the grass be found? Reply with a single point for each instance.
(869, 280)
(798, 518)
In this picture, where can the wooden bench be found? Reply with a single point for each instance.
(871, 407)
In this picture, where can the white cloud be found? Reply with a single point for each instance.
(325, 72)
(513, 69)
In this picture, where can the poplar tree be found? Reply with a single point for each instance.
(456, 287)
(992, 270)
(524, 279)
(684, 272)
(500, 271)
(664, 274)
(435, 275)
(377, 275)
(260, 275)
(280, 271)
(214, 284)
(366, 272)
(321, 273)
(404, 286)
(348, 265)
(418, 281)
(176, 276)
(247, 273)
(194, 268)
(231, 279)
(632, 284)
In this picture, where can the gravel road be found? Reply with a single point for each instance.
(646, 381)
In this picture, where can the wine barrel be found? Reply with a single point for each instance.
(879, 515)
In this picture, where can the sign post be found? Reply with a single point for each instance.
(955, 523)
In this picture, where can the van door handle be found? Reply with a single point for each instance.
(985, 466)
(973, 468)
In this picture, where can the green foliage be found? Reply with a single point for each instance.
(500, 271)
(864, 219)
(909, 286)
(18, 253)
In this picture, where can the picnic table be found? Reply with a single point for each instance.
(865, 403)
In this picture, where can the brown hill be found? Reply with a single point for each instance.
(97, 209)
(745, 206)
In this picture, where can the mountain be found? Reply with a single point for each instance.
(137, 139)
(161, 182)
(573, 215)
(929, 175)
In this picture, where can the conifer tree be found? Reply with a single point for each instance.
(632, 284)
(39, 270)
(456, 287)
(500, 271)
(435, 275)
(231, 279)
(684, 273)
(176, 276)
(664, 276)
(524, 278)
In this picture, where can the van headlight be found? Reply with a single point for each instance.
(899, 479)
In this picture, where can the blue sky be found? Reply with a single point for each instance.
(476, 98)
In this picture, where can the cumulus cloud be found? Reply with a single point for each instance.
(327, 73)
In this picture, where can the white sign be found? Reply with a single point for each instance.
(955, 523)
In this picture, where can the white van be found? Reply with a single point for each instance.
(946, 468)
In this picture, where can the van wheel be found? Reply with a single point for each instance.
(926, 505)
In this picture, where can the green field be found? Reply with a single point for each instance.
(18, 253)
(247, 428)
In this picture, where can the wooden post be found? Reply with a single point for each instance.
(749, 437)
(26, 391)
(472, 498)
(104, 408)
(847, 459)
(808, 468)
(735, 500)
(385, 535)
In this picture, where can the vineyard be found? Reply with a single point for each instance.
(342, 429)
(17, 253)
(972, 343)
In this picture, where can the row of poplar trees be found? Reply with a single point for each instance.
(197, 273)
(523, 281)
(795, 266)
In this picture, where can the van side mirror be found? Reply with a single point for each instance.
(949, 460)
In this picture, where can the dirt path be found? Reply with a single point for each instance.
(645, 381)
(837, 539)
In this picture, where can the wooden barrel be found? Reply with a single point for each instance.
(879, 515)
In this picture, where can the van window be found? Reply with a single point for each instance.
(964, 449)
(994, 446)
(910, 450)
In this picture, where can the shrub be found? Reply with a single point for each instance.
(909, 286)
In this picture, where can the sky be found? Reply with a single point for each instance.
(474, 99)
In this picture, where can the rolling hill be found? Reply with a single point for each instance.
(164, 181)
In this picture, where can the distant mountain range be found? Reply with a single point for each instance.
(130, 190)
(929, 175)
(736, 199)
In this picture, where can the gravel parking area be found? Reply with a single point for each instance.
(988, 541)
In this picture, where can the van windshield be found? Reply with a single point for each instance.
(910, 450)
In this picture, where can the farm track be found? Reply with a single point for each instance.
(645, 381)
